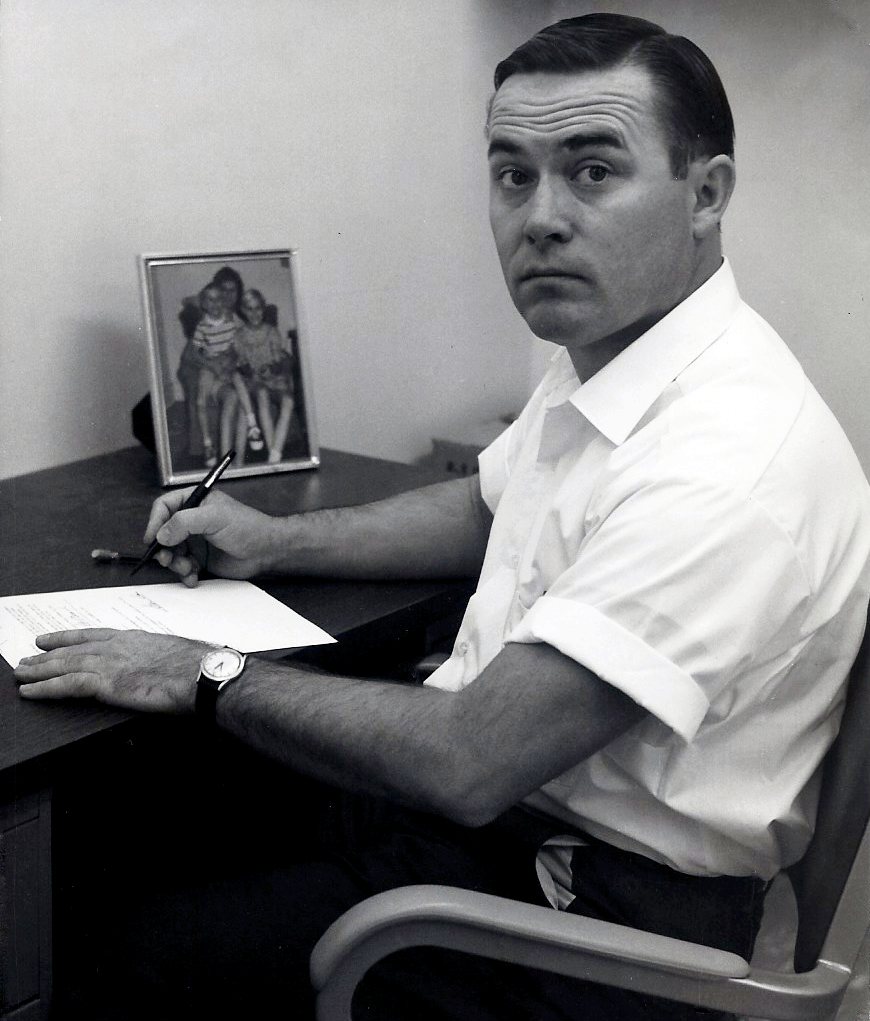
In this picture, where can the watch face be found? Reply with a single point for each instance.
(222, 664)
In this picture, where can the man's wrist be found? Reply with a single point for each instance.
(287, 545)
(263, 554)
(220, 669)
(229, 700)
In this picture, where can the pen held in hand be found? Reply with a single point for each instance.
(194, 500)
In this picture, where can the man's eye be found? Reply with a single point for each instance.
(594, 174)
(510, 177)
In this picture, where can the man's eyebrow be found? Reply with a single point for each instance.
(573, 143)
(593, 140)
(505, 148)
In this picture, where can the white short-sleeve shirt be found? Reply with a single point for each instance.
(691, 525)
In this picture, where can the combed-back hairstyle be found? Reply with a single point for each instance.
(690, 100)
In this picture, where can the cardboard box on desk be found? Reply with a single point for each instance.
(455, 450)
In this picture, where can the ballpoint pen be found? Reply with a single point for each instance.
(194, 500)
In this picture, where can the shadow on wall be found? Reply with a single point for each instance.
(117, 357)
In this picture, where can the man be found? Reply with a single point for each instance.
(672, 544)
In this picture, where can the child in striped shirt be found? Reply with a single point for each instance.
(214, 342)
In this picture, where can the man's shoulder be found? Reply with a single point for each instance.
(745, 420)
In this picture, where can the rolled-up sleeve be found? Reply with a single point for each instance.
(615, 655)
(676, 586)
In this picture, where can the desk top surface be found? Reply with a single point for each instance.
(52, 519)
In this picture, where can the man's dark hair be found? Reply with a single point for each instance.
(690, 100)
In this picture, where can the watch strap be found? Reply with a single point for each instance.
(205, 705)
(208, 688)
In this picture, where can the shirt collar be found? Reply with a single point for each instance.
(616, 398)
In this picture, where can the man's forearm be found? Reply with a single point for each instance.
(467, 755)
(438, 531)
(372, 737)
(531, 714)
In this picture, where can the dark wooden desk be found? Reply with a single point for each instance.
(49, 523)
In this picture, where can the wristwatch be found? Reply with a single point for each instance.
(217, 669)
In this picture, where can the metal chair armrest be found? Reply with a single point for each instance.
(484, 915)
(478, 923)
(555, 941)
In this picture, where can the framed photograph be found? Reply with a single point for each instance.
(228, 363)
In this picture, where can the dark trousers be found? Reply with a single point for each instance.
(221, 933)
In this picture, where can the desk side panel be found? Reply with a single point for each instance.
(25, 905)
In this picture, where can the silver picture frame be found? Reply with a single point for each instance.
(228, 363)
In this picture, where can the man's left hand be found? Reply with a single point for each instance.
(130, 669)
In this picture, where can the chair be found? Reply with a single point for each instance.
(830, 885)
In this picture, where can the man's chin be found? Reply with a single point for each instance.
(552, 325)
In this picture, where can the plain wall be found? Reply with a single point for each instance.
(351, 130)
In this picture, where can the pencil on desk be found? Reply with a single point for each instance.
(110, 556)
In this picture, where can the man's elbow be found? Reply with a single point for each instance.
(473, 802)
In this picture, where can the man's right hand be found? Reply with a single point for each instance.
(226, 537)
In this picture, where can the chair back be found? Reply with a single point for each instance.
(820, 877)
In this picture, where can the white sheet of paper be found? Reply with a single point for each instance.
(234, 613)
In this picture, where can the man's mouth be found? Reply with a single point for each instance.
(548, 273)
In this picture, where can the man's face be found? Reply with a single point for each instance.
(594, 234)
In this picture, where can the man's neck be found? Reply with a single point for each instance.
(591, 358)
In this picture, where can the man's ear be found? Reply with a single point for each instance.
(713, 180)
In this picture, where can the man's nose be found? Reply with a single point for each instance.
(547, 213)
